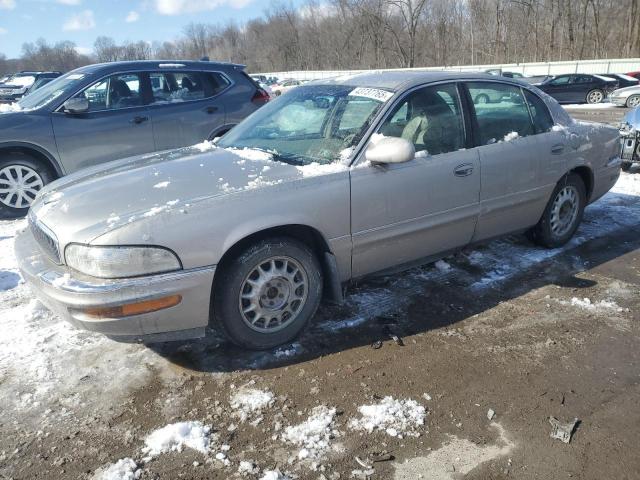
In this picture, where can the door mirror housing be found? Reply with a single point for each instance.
(390, 150)
(76, 105)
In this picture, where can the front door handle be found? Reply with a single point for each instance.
(139, 119)
(211, 109)
(557, 149)
(463, 170)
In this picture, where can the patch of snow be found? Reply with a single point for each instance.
(154, 211)
(252, 154)
(176, 436)
(587, 304)
(274, 475)
(124, 469)
(9, 107)
(247, 468)
(62, 280)
(442, 266)
(397, 418)
(558, 128)
(346, 154)
(161, 185)
(511, 136)
(314, 434)
(590, 106)
(251, 401)
(204, 146)
(315, 169)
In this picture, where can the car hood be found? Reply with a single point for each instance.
(89, 203)
(628, 90)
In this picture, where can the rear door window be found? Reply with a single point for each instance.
(505, 117)
(542, 121)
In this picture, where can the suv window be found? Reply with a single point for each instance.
(171, 87)
(114, 92)
(503, 119)
(430, 118)
(542, 121)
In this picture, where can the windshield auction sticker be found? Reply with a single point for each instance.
(373, 93)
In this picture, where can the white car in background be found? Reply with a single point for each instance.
(626, 97)
(285, 86)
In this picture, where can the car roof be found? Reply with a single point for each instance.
(398, 80)
(156, 65)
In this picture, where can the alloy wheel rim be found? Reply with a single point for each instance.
(19, 186)
(273, 294)
(595, 97)
(634, 101)
(564, 211)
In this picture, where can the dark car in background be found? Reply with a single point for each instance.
(579, 87)
(20, 84)
(623, 80)
(110, 111)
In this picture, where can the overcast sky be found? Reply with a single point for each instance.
(81, 21)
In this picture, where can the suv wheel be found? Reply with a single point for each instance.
(267, 294)
(595, 96)
(21, 178)
(563, 213)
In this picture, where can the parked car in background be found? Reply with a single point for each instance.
(19, 84)
(623, 80)
(330, 182)
(103, 112)
(259, 78)
(630, 137)
(579, 88)
(633, 74)
(503, 73)
(285, 86)
(626, 97)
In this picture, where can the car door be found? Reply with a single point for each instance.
(558, 88)
(117, 124)
(580, 86)
(511, 159)
(186, 107)
(405, 212)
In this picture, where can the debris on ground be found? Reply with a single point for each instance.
(491, 413)
(562, 431)
(376, 345)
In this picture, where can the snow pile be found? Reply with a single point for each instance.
(315, 169)
(161, 185)
(587, 304)
(247, 468)
(124, 469)
(204, 146)
(442, 266)
(11, 107)
(253, 154)
(590, 106)
(314, 434)
(510, 136)
(397, 418)
(274, 475)
(250, 401)
(176, 436)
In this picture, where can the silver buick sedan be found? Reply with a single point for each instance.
(332, 181)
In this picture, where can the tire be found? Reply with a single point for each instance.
(277, 293)
(595, 96)
(551, 231)
(15, 204)
(633, 101)
(482, 98)
(626, 166)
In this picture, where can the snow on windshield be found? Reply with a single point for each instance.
(21, 81)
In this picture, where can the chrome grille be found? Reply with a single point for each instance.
(46, 239)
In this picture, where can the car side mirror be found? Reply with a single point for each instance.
(76, 105)
(390, 150)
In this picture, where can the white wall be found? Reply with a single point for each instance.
(623, 65)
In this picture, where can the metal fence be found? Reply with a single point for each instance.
(620, 65)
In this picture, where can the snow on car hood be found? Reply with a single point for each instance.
(84, 205)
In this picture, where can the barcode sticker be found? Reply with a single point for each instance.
(373, 93)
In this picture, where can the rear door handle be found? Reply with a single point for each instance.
(557, 149)
(463, 170)
(139, 119)
(211, 109)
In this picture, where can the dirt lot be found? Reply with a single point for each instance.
(525, 332)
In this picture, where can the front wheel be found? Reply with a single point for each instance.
(563, 213)
(21, 178)
(266, 295)
(633, 101)
(595, 96)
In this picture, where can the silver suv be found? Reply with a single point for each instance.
(108, 111)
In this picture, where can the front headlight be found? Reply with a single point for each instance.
(120, 262)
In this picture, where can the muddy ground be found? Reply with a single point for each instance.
(478, 333)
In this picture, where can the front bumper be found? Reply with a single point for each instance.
(618, 101)
(68, 293)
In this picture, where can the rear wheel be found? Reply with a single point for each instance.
(633, 101)
(267, 294)
(595, 96)
(563, 213)
(21, 178)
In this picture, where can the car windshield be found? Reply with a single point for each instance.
(318, 123)
(63, 85)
